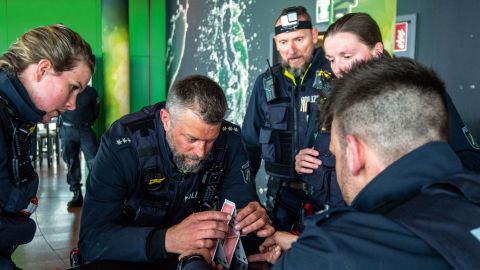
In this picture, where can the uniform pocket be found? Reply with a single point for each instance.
(268, 146)
(278, 116)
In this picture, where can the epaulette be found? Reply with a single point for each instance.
(230, 128)
(118, 137)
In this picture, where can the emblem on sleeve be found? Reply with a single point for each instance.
(246, 173)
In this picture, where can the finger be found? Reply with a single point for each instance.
(311, 161)
(211, 225)
(260, 257)
(254, 226)
(266, 231)
(211, 215)
(274, 255)
(308, 151)
(259, 214)
(205, 243)
(270, 241)
(247, 210)
(302, 170)
(210, 234)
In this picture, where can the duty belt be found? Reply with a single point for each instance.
(76, 125)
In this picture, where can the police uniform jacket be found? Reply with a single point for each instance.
(360, 237)
(108, 233)
(15, 198)
(277, 129)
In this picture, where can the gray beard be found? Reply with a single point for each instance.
(297, 72)
(180, 159)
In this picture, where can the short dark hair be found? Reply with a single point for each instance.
(301, 13)
(201, 95)
(394, 104)
(360, 24)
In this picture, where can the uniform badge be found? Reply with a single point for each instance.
(155, 181)
(247, 175)
(470, 138)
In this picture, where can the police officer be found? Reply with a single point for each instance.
(281, 116)
(77, 134)
(41, 75)
(158, 170)
(412, 204)
(358, 36)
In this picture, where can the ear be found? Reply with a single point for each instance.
(165, 118)
(315, 35)
(41, 69)
(378, 49)
(355, 154)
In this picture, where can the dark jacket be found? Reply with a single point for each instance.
(108, 233)
(360, 237)
(15, 198)
(276, 130)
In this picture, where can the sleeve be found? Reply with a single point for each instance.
(252, 123)
(12, 199)
(238, 185)
(358, 241)
(461, 140)
(5, 184)
(104, 234)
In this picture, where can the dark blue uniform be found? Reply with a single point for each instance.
(323, 179)
(18, 183)
(121, 221)
(77, 134)
(278, 123)
(363, 237)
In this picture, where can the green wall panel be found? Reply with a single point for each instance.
(147, 24)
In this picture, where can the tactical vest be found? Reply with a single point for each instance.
(18, 141)
(157, 199)
(446, 215)
(280, 137)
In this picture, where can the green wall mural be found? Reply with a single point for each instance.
(116, 71)
(230, 40)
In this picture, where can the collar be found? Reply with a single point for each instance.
(429, 163)
(13, 90)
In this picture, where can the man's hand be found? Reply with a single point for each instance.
(254, 218)
(273, 247)
(306, 161)
(199, 230)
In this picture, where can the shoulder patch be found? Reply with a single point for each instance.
(470, 138)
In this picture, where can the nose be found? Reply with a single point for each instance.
(72, 101)
(292, 49)
(201, 149)
(338, 67)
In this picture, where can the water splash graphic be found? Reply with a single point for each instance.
(176, 41)
(223, 48)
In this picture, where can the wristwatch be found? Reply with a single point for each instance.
(188, 259)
